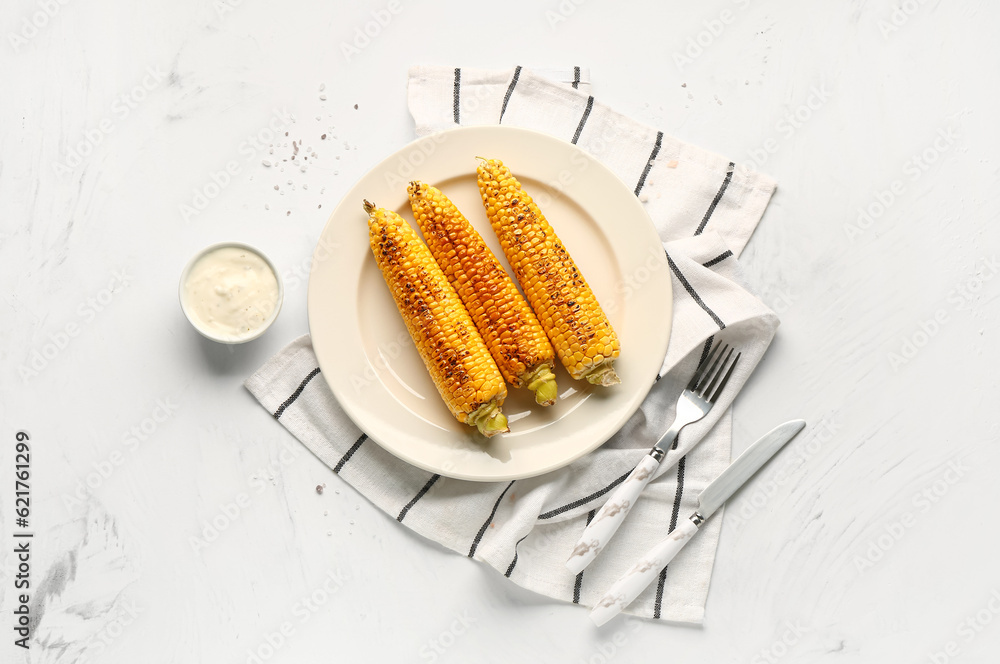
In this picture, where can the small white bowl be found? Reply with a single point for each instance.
(209, 333)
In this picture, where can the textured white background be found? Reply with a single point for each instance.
(868, 548)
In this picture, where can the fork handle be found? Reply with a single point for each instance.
(644, 571)
(611, 516)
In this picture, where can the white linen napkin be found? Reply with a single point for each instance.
(705, 207)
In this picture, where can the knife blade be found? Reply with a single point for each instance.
(711, 499)
(745, 466)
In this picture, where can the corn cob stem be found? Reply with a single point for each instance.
(506, 322)
(603, 374)
(543, 383)
(448, 343)
(489, 420)
(560, 296)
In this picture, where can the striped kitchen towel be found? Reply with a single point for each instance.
(705, 207)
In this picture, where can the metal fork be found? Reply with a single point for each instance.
(695, 401)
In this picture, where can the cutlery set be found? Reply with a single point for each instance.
(694, 403)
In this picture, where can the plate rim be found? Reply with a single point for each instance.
(313, 297)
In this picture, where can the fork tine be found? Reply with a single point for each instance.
(711, 370)
(699, 372)
(714, 376)
(725, 380)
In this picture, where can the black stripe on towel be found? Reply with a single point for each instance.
(458, 89)
(649, 162)
(295, 395)
(673, 524)
(420, 494)
(583, 501)
(576, 78)
(704, 356)
(694, 294)
(718, 259)
(510, 90)
(583, 120)
(579, 577)
(486, 524)
(510, 568)
(347, 456)
(718, 197)
(678, 494)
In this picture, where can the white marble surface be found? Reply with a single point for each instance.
(835, 554)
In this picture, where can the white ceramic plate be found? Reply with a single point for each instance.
(370, 363)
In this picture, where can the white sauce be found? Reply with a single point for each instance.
(230, 293)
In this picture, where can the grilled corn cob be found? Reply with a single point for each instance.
(507, 324)
(564, 303)
(454, 353)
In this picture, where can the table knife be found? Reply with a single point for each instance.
(712, 498)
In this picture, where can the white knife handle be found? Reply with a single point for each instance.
(643, 572)
(596, 536)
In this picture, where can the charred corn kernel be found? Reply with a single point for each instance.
(565, 305)
(454, 353)
(507, 324)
